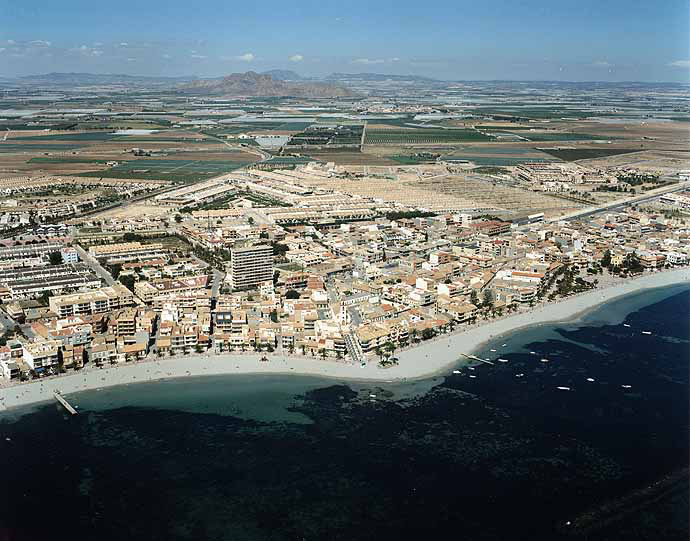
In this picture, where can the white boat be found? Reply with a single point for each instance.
(493, 350)
(502, 360)
(504, 345)
(563, 388)
(473, 376)
(626, 386)
(590, 379)
(372, 396)
(532, 352)
(626, 325)
(646, 332)
(456, 371)
(470, 367)
(545, 360)
(519, 375)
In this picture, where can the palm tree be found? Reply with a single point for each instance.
(390, 346)
(379, 352)
(322, 352)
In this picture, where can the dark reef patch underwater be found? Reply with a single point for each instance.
(494, 456)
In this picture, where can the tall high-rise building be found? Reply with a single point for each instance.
(251, 266)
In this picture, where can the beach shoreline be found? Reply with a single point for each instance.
(422, 361)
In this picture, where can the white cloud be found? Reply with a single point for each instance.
(11, 42)
(370, 61)
(246, 57)
(124, 44)
(685, 64)
(40, 43)
(85, 50)
(199, 56)
(167, 56)
(2, 49)
(296, 58)
(601, 64)
(131, 60)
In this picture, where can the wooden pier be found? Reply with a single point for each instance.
(475, 358)
(64, 403)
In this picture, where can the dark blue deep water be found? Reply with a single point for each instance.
(494, 456)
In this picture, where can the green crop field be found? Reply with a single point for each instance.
(572, 154)
(421, 136)
(57, 159)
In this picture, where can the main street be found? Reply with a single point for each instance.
(621, 203)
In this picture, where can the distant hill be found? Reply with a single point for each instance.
(261, 85)
(376, 77)
(84, 79)
(283, 75)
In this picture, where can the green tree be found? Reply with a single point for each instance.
(292, 294)
(128, 282)
(606, 260)
(178, 218)
(55, 258)
(474, 297)
(428, 333)
(115, 270)
(488, 299)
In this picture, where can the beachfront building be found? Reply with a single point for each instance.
(250, 266)
(91, 302)
(41, 355)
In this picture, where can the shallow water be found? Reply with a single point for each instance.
(265, 457)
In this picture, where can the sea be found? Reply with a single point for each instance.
(580, 431)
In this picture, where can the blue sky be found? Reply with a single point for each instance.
(609, 40)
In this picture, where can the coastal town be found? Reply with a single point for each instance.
(295, 263)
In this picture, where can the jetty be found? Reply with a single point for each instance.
(64, 403)
(475, 358)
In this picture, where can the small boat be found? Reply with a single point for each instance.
(532, 352)
(590, 379)
(456, 372)
(504, 345)
(502, 360)
(626, 386)
(493, 350)
(473, 376)
(563, 388)
(470, 367)
(519, 375)
(372, 396)
(545, 360)
(626, 325)
(646, 332)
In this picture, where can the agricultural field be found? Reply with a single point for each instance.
(573, 154)
(175, 170)
(421, 136)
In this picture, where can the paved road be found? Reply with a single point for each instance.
(621, 203)
(7, 322)
(217, 283)
(95, 266)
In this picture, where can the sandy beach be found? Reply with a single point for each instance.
(421, 361)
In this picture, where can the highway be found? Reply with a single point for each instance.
(621, 203)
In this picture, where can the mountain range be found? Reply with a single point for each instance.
(263, 85)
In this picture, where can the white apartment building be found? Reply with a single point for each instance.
(250, 266)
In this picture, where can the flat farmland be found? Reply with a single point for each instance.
(350, 157)
(175, 170)
(421, 136)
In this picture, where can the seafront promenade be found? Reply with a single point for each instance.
(422, 360)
